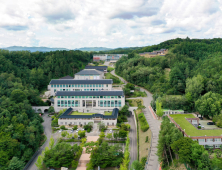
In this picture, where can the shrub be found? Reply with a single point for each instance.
(63, 127)
(199, 127)
(74, 164)
(75, 127)
(144, 126)
(146, 139)
(143, 160)
(88, 130)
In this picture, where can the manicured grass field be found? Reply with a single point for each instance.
(190, 129)
(107, 113)
(80, 113)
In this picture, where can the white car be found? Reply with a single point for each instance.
(60, 131)
(110, 131)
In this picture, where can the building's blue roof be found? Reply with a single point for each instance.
(96, 67)
(89, 72)
(74, 81)
(90, 93)
(67, 113)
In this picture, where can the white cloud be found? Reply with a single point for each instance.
(111, 23)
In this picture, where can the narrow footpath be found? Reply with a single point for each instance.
(152, 160)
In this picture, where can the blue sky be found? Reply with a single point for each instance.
(106, 23)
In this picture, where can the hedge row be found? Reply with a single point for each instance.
(138, 147)
(144, 126)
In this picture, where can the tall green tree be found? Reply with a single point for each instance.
(209, 104)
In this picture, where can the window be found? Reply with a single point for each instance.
(119, 97)
(67, 85)
(54, 85)
(58, 96)
(81, 85)
(112, 103)
(60, 89)
(78, 85)
(90, 85)
(201, 140)
(65, 103)
(93, 85)
(210, 140)
(108, 103)
(119, 103)
(107, 85)
(84, 85)
(217, 146)
(217, 140)
(62, 103)
(96, 85)
(58, 103)
(76, 103)
(76, 96)
(65, 123)
(101, 103)
(69, 103)
(62, 96)
(105, 103)
(73, 104)
(58, 85)
(73, 85)
(101, 97)
(99, 85)
(87, 85)
(112, 97)
(116, 104)
(64, 89)
(51, 85)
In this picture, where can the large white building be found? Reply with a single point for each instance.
(107, 57)
(89, 74)
(89, 101)
(68, 118)
(79, 85)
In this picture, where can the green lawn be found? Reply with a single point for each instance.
(80, 113)
(133, 102)
(107, 113)
(190, 129)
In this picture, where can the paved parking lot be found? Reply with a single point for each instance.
(204, 123)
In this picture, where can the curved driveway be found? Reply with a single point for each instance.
(154, 124)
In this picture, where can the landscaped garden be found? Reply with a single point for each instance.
(81, 113)
(107, 113)
(190, 129)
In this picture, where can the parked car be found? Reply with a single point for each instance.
(210, 123)
(71, 131)
(110, 131)
(201, 125)
(60, 130)
(201, 118)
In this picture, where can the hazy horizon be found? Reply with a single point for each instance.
(114, 24)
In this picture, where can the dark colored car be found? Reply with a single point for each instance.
(210, 123)
(201, 118)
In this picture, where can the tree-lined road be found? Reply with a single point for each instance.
(154, 124)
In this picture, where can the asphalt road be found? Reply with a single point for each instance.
(152, 160)
(48, 132)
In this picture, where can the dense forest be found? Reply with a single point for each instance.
(22, 76)
(190, 70)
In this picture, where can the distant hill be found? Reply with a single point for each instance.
(94, 49)
(47, 49)
(33, 49)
